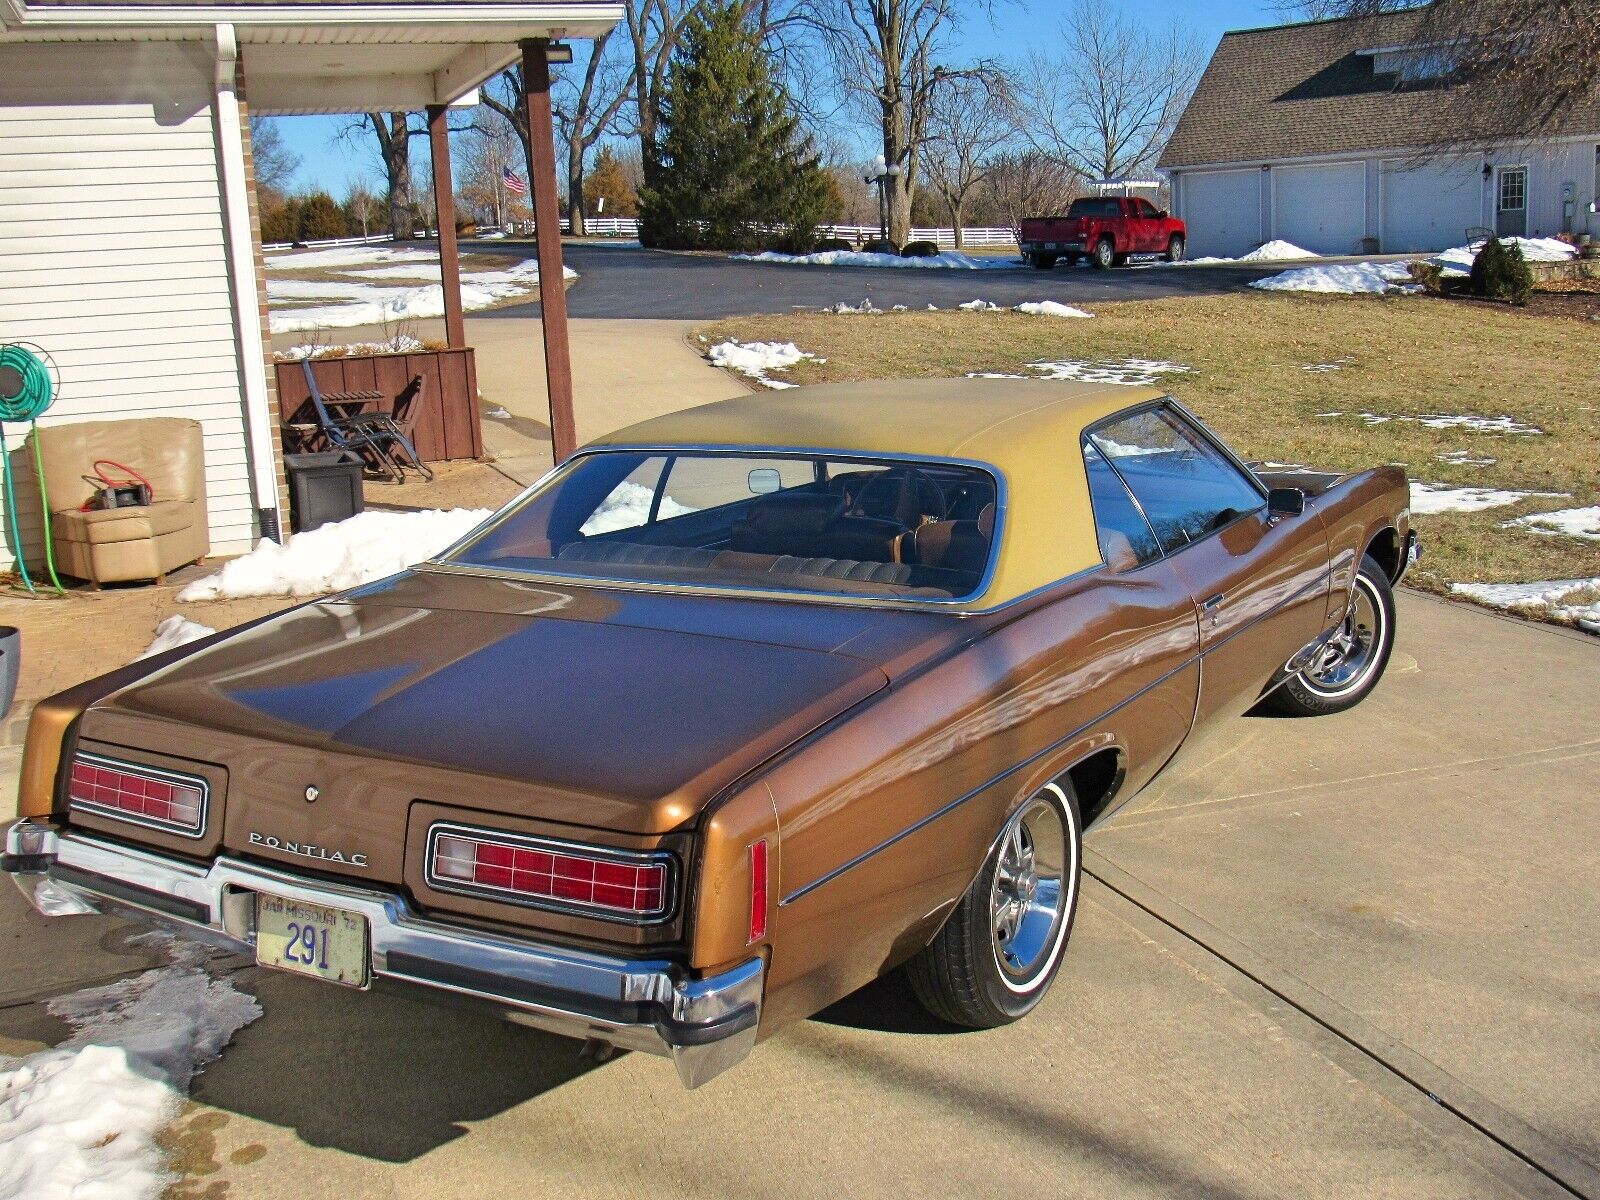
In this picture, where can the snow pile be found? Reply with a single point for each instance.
(979, 306)
(346, 554)
(1543, 598)
(948, 260)
(81, 1120)
(1439, 498)
(1276, 250)
(627, 507)
(1567, 522)
(1348, 279)
(1492, 425)
(755, 359)
(370, 304)
(1458, 259)
(865, 308)
(400, 343)
(1463, 458)
(177, 630)
(1049, 308)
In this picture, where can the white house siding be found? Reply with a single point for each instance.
(112, 253)
(1407, 203)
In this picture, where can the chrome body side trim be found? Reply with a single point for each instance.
(1411, 557)
(704, 1025)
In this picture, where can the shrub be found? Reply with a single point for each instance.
(835, 244)
(466, 228)
(920, 250)
(1499, 273)
(1428, 276)
(881, 246)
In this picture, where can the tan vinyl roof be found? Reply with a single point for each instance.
(1028, 431)
(1296, 91)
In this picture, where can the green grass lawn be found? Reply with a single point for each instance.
(1403, 356)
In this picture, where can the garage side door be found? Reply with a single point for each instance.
(1321, 208)
(1223, 212)
(112, 254)
(1430, 206)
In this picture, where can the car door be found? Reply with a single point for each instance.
(1259, 583)
(1147, 226)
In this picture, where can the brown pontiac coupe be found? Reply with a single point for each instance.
(731, 713)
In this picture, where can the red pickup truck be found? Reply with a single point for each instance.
(1107, 229)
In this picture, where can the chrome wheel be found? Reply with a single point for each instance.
(1352, 653)
(1032, 891)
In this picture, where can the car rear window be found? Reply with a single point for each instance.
(1095, 207)
(780, 522)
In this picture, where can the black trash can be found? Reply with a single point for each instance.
(323, 487)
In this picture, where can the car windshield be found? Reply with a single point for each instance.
(839, 525)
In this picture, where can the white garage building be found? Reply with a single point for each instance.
(1319, 134)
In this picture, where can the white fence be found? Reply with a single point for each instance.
(629, 227)
(326, 242)
(943, 237)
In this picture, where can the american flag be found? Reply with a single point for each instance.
(513, 182)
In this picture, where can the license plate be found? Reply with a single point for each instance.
(311, 939)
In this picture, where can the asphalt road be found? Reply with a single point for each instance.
(1351, 956)
(624, 281)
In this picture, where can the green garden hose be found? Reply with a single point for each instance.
(26, 391)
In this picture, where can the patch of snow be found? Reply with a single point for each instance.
(1463, 458)
(627, 507)
(176, 630)
(400, 343)
(494, 235)
(338, 556)
(979, 306)
(865, 308)
(1441, 498)
(1365, 278)
(948, 260)
(1567, 522)
(1277, 250)
(1049, 308)
(370, 304)
(346, 256)
(755, 359)
(499, 412)
(1543, 598)
(1473, 424)
(1132, 372)
(1458, 259)
(81, 1120)
(900, 308)
(1337, 364)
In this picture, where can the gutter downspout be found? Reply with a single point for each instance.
(242, 271)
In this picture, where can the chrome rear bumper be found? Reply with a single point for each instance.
(704, 1025)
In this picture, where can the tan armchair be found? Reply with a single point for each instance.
(119, 544)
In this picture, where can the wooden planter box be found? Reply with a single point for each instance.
(447, 422)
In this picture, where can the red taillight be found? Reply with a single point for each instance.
(554, 873)
(758, 890)
(143, 795)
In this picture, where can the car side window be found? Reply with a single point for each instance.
(1126, 540)
(1143, 208)
(1186, 486)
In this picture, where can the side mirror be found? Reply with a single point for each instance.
(1285, 502)
(1163, 214)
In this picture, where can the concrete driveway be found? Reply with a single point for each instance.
(1356, 956)
(625, 281)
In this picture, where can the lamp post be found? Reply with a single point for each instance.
(877, 173)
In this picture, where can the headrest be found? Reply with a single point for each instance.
(986, 521)
(793, 513)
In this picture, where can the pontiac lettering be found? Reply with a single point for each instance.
(308, 850)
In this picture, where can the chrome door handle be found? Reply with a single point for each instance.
(1212, 603)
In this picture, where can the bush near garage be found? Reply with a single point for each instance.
(1499, 273)
(922, 249)
(835, 244)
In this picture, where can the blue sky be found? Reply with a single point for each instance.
(1016, 25)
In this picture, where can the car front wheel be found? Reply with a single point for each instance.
(997, 954)
(1345, 669)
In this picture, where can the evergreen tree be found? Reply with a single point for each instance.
(730, 168)
(609, 181)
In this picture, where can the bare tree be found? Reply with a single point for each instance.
(587, 110)
(1106, 98)
(889, 55)
(968, 121)
(653, 30)
(1526, 64)
(392, 133)
(492, 148)
(1026, 183)
(361, 204)
(275, 163)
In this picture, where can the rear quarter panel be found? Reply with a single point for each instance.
(1355, 510)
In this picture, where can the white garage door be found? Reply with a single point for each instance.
(1223, 212)
(1321, 208)
(1430, 206)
